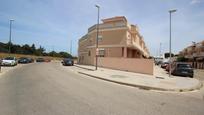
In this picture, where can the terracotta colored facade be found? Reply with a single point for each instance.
(117, 38)
(195, 50)
(195, 54)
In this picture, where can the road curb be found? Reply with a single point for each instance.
(84, 68)
(197, 87)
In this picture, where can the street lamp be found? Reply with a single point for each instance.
(10, 36)
(194, 51)
(98, 7)
(71, 47)
(170, 12)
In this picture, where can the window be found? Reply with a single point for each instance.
(89, 53)
(101, 52)
(100, 38)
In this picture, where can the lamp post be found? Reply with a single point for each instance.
(96, 66)
(194, 51)
(170, 12)
(160, 54)
(10, 36)
(71, 47)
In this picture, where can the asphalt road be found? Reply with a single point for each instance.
(51, 89)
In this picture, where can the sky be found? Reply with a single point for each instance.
(53, 24)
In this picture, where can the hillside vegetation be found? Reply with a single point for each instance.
(29, 51)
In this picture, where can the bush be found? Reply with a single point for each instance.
(182, 59)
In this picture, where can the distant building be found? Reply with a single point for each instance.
(195, 54)
(117, 38)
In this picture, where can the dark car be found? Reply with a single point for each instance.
(23, 60)
(40, 60)
(167, 67)
(164, 64)
(67, 62)
(158, 62)
(31, 60)
(183, 69)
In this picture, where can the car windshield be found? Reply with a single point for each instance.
(9, 58)
(184, 66)
(67, 59)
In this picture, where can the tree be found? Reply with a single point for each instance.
(65, 55)
(27, 49)
(182, 59)
(33, 49)
(3, 47)
(39, 51)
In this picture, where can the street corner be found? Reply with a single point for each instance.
(175, 84)
(188, 84)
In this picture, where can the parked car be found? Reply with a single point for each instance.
(47, 60)
(164, 64)
(40, 60)
(9, 61)
(31, 60)
(167, 67)
(158, 62)
(68, 62)
(23, 60)
(183, 69)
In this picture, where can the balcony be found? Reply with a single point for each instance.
(201, 54)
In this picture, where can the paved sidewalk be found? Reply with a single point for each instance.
(158, 81)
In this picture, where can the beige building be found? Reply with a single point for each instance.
(117, 38)
(195, 54)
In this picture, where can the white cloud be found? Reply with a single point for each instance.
(195, 2)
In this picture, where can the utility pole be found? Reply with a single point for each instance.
(170, 12)
(71, 47)
(10, 36)
(98, 7)
(160, 54)
(53, 50)
(194, 51)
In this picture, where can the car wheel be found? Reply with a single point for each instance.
(191, 76)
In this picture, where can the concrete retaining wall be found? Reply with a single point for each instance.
(145, 66)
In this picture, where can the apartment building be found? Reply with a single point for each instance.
(117, 38)
(195, 54)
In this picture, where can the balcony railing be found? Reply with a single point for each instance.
(107, 26)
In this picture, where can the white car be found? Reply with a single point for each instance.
(9, 61)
